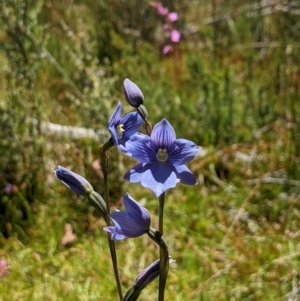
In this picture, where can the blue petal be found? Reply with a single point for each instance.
(113, 122)
(132, 122)
(163, 134)
(124, 221)
(185, 175)
(137, 212)
(141, 148)
(158, 177)
(115, 235)
(132, 223)
(182, 151)
(115, 117)
(113, 133)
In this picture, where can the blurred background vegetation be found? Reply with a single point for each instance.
(231, 85)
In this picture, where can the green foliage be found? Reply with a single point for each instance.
(22, 145)
(217, 256)
(39, 88)
(231, 85)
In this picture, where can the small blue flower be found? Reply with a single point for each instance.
(133, 93)
(73, 181)
(122, 128)
(161, 158)
(134, 222)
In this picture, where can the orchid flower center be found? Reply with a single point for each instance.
(120, 130)
(162, 155)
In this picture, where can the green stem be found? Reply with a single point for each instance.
(161, 213)
(111, 243)
(144, 114)
(163, 261)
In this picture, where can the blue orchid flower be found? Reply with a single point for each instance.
(134, 222)
(122, 128)
(161, 158)
(73, 181)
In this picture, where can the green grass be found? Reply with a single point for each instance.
(218, 256)
(231, 85)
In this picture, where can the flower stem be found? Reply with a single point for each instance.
(164, 262)
(111, 243)
(161, 213)
(144, 114)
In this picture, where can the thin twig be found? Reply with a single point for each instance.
(270, 180)
(239, 213)
(209, 280)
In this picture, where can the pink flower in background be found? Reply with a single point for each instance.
(167, 49)
(172, 35)
(173, 16)
(175, 36)
(8, 188)
(3, 268)
(166, 26)
(161, 10)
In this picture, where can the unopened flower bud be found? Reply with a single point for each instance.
(73, 181)
(143, 279)
(147, 275)
(133, 93)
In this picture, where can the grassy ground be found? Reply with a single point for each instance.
(231, 85)
(230, 240)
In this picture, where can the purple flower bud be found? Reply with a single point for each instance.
(133, 93)
(8, 188)
(161, 10)
(143, 279)
(3, 268)
(147, 275)
(173, 16)
(175, 36)
(167, 49)
(73, 181)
